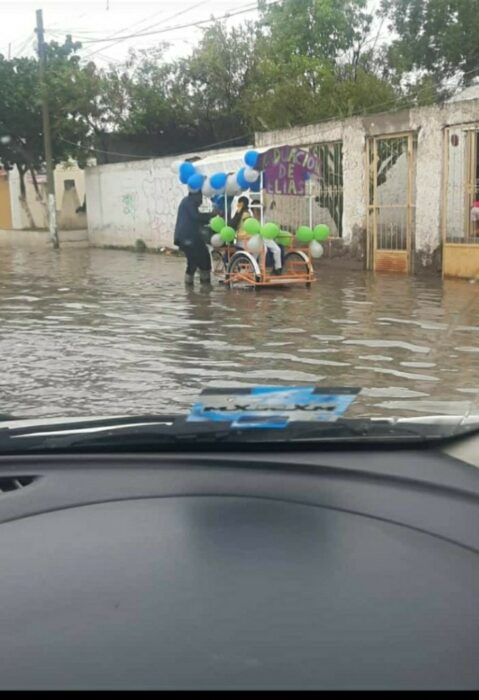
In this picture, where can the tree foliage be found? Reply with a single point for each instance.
(301, 61)
(72, 100)
(435, 38)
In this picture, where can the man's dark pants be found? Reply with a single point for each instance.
(197, 256)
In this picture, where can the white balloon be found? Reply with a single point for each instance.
(207, 190)
(255, 245)
(216, 241)
(232, 188)
(316, 249)
(250, 175)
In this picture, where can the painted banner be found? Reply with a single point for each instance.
(286, 169)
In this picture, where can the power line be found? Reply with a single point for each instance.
(249, 8)
(167, 155)
(120, 39)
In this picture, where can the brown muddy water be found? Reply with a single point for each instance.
(98, 332)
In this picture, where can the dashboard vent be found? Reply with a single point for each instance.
(15, 483)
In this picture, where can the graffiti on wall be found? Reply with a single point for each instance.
(162, 201)
(129, 204)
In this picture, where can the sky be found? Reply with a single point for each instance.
(90, 20)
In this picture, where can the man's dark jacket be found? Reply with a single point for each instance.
(189, 221)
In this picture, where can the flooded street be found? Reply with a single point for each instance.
(101, 332)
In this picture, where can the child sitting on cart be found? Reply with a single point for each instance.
(275, 250)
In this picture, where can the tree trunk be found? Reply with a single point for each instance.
(23, 196)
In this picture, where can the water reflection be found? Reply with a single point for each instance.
(87, 332)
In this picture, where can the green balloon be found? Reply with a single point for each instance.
(285, 239)
(227, 234)
(217, 223)
(270, 231)
(252, 226)
(321, 232)
(304, 234)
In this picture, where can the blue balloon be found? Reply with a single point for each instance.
(250, 158)
(218, 181)
(195, 182)
(241, 180)
(186, 171)
(218, 201)
(255, 186)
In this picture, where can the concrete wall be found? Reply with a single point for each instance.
(131, 201)
(428, 123)
(139, 199)
(32, 214)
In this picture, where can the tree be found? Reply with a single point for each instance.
(437, 39)
(72, 104)
(314, 61)
(214, 79)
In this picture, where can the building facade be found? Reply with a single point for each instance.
(400, 188)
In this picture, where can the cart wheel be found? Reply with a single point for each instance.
(243, 271)
(218, 264)
(297, 263)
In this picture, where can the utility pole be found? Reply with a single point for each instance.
(52, 207)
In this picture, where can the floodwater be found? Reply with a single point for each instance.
(97, 332)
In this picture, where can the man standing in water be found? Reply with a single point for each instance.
(188, 238)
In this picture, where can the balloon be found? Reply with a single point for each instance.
(316, 250)
(252, 226)
(195, 182)
(250, 175)
(217, 223)
(250, 158)
(241, 180)
(255, 245)
(218, 181)
(285, 239)
(207, 190)
(270, 231)
(216, 241)
(227, 234)
(321, 232)
(304, 234)
(186, 171)
(219, 201)
(255, 186)
(232, 188)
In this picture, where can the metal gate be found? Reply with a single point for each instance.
(460, 207)
(391, 208)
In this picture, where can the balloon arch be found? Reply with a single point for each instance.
(284, 170)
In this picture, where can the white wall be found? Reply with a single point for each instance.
(38, 205)
(139, 199)
(427, 122)
(351, 133)
(131, 201)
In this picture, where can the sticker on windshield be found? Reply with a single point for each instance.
(272, 406)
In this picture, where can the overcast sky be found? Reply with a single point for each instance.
(93, 19)
(88, 20)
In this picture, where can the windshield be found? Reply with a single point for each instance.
(200, 196)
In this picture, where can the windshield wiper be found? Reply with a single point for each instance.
(151, 433)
